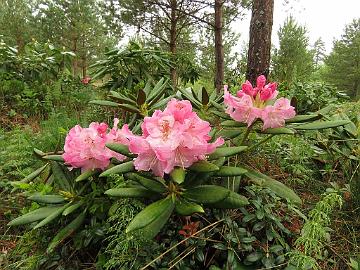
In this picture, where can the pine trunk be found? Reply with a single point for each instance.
(219, 49)
(260, 39)
(173, 34)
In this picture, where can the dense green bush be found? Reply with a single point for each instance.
(312, 96)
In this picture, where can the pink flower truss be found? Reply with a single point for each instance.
(85, 147)
(251, 103)
(173, 137)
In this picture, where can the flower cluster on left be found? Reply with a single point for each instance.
(85, 148)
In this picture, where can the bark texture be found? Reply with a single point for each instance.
(172, 43)
(260, 39)
(219, 49)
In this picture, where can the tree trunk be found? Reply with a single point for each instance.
(219, 49)
(173, 34)
(260, 39)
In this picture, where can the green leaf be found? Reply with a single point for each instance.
(133, 192)
(130, 108)
(52, 216)
(104, 103)
(150, 184)
(229, 133)
(281, 130)
(157, 90)
(39, 152)
(303, 118)
(119, 169)
(322, 125)
(35, 215)
(151, 213)
(279, 188)
(232, 123)
(60, 177)
(253, 257)
(203, 166)
(73, 207)
(122, 98)
(120, 148)
(85, 175)
(186, 208)
(154, 227)
(232, 201)
(230, 171)
(206, 194)
(66, 232)
(178, 175)
(33, 175)
(46, 198)
(54, 158)
(226, 152)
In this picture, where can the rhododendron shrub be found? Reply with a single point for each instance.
(85, 147)
(175, 137)
(251, 103)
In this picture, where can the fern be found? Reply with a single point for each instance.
(309, 245)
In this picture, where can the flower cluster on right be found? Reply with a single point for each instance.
(251, 103)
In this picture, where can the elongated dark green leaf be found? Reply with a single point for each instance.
(203, 166)
(281, 130)
(234, 200)
(122, 98)
(229, 133)
(104, 103)
(54, 158)
(188, 96)
(279, 188)
(120, 148)
(159, 86)
(186, 208)
(151, 213)
(304, 118)
(161, 103)
(59, 177)
(151, 184)
(35, 215)
(66, 232)
(34, 174)
(85, 175)
(154, 227)
(74, 206)
(39, 152)
(230, 171)
(52, 216)
(226, 152)
(132, 192)
(322, 125)
(47, 198)
(232, 123)
(119, 169)
(130, 108)
(206, 194)
(220, 114)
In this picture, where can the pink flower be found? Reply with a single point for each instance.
(241, 108)
(248, 89)
(85, 147)
(86, 80)
(274, 116)
(252, 103)
(174, 137)
(268, 92)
